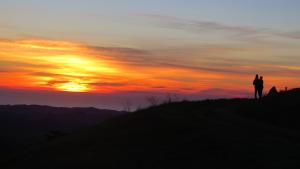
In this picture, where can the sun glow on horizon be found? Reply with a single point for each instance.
(70, 67)
(72, 87)
(58, 65)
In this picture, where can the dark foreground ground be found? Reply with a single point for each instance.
(25, 126)
(237, 133)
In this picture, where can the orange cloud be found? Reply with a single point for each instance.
(74, 67)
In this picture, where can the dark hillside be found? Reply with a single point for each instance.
(22, 126)
(237, 133)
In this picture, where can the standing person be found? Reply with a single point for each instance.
(260, 87)
(256, 86)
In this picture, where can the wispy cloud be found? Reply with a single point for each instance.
(240, 32)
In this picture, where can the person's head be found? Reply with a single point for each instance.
(256, 76)
(261, 77)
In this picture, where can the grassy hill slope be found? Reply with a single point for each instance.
(22, 126)
(236, 133)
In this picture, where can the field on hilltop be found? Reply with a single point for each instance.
(232, 133)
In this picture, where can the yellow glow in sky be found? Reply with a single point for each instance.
(72, 87)
(72, 67)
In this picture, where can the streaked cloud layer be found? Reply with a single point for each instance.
(239, 32)
(68, 66)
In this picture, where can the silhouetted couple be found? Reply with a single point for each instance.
(258, 86)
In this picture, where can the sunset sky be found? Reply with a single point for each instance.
(106, 52)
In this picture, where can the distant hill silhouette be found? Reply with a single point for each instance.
(24, 125)
(233, 133)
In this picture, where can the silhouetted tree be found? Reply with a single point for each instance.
(127, 106)
(152, 100)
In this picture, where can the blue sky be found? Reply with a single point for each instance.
(83, 17)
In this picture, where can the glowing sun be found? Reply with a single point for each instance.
(72, 87)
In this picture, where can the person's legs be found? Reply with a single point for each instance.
(260, 91)
(255, 93)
